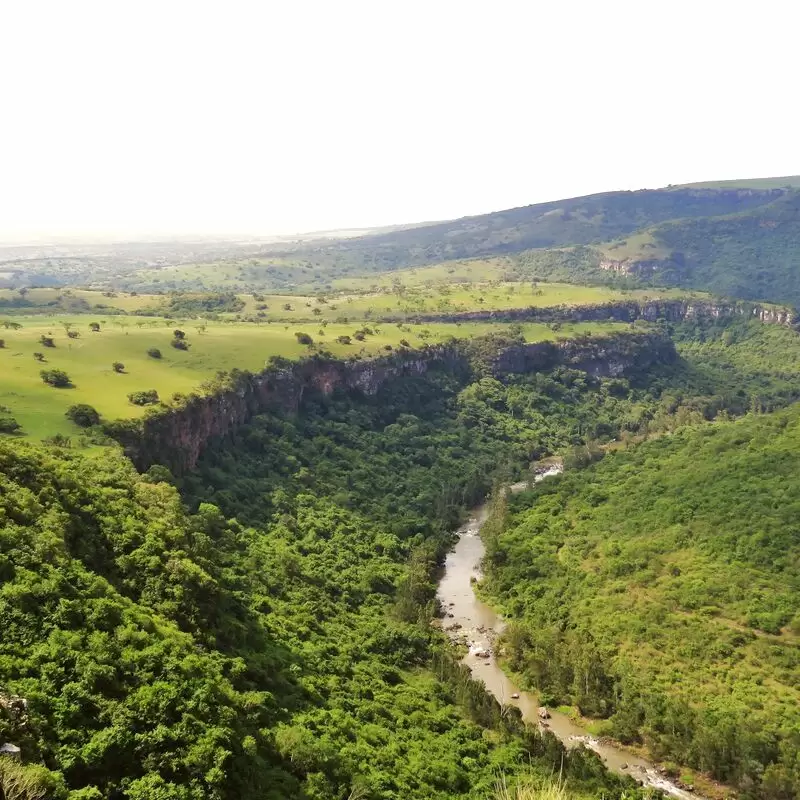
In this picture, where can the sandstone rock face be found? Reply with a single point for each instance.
(177, 437)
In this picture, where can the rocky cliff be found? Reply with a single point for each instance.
(175, 437)
(629, 311)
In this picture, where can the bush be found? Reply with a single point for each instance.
(180, 344)
(9, 425)
(2, 343)
(178, 334)
(47, 341)
(304, 338)
(73, 334)
(344, 339)
(118, 366)
(94, 327)
(154, 352)
(56, 377)
(83, 415)
(144, 398)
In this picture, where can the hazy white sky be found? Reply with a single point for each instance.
(270, 117)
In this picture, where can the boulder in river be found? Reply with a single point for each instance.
(515, 696)
(543, 712)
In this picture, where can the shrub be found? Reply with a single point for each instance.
(178, 334)
(38, 356)
(404, 343)
(73, 334)
(180, 344)
(2, 343)
(47, 341)
(56, 377)
(304, 338)
(144, 398)
(118, 366)
(344, 339)
(94, 327)
(154, 352)
(9, 425)
(59, 440)
(83, 415)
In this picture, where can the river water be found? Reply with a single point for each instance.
(471, 621)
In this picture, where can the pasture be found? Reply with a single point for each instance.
(213, 346)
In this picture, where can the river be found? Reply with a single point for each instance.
(469, 620)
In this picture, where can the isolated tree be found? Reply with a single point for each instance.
(83, 415)
(180, 344)
(56, 377)
(287, 306)
(2, 343)
(118, 366)
(404, 343)
(94, 327)
(39, 356)
(144, 398)
(304, 338)
(47, 341)
(154, 352)
(9, 425)
(73, 334)
(344, 339)
(178, 334)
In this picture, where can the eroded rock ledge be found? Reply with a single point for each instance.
(177, 436)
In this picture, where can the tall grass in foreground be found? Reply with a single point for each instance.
(533, 789)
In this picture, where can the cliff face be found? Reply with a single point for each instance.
(176, 437)
(628, 311)
(607, 356)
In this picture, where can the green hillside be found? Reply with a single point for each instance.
(660, 591)
(572, 221)
(276, 644)
(753, 255)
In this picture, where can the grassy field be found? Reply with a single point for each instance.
(638, 246)
(214, 346)
(431, 290)
(472, 270)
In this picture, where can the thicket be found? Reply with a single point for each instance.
(659, 590)
(274, 641)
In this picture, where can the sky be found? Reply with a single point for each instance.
(273, 117)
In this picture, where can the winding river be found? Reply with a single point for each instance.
(469, 620)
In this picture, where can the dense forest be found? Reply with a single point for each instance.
(262, 626)
(152, 653)
(659, 590)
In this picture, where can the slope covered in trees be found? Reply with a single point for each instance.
(579, 220)
(274, 641)
(659, 590)
(169, 655)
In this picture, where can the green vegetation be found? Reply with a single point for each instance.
(261, 627)
(215, 346)
(83, 415)
(286, 654)
(659, 589)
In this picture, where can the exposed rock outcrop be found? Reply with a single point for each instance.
(176, 437)
(628, 311)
